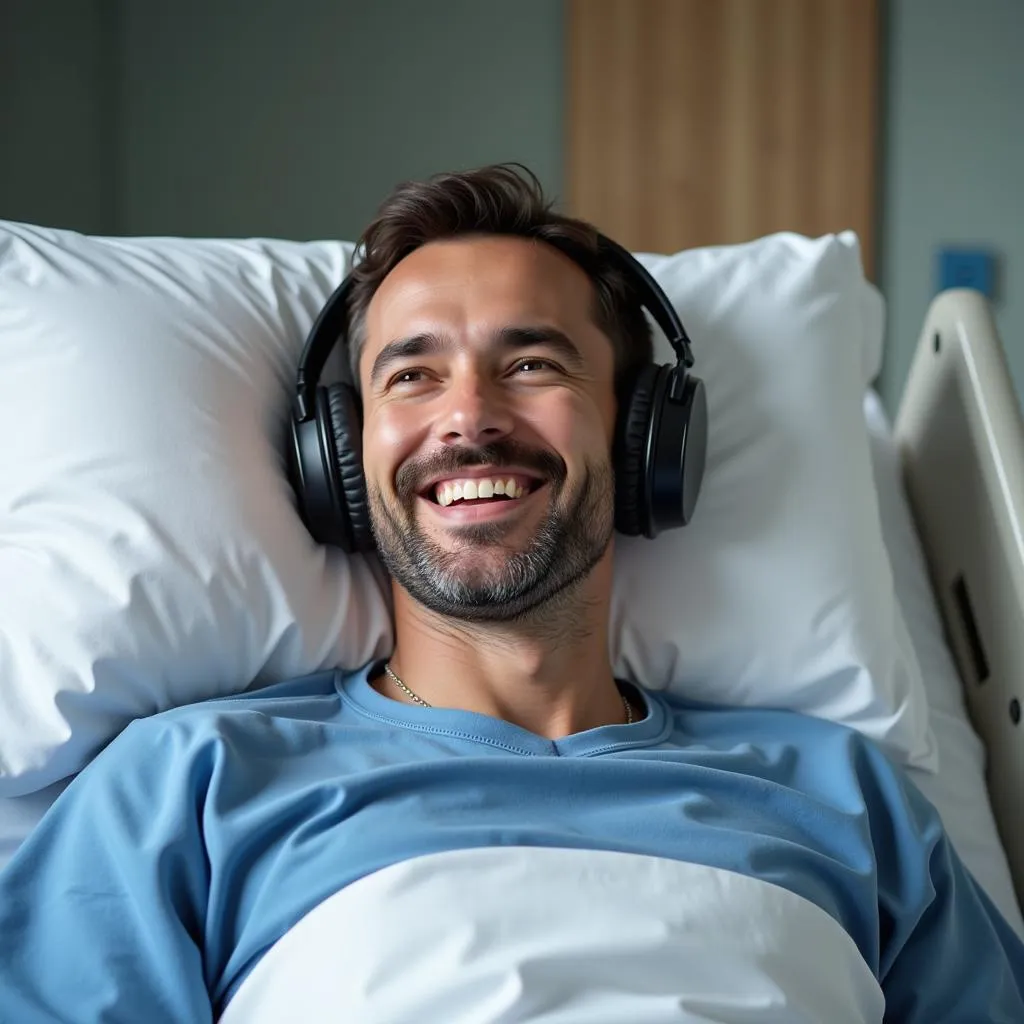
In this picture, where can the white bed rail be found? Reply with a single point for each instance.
(961, 438)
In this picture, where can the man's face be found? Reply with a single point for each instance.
(488, 394)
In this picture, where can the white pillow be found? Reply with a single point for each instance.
(780, 591)
(150, 553)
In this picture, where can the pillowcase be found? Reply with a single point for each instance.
(780, 591)
(151, 554)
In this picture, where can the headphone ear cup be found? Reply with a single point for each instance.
(678, 449)
(632, 509)
(340, 409)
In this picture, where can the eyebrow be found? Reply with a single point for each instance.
(506, 338)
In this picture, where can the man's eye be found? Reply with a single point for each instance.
(407, 377)
(533, 364)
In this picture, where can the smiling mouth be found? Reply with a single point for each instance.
(469, 492)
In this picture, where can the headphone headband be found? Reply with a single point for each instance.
(652, 298)
(330, 324)
(323, 335)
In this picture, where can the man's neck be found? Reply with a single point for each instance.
(549, 674)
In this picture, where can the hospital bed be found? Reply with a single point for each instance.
(960, 443)
(949, 473)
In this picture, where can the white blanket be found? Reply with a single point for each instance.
(516, 934)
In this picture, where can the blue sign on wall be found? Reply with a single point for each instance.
(967, 268)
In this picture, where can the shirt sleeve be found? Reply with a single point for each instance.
(946, 952)
(102, 907)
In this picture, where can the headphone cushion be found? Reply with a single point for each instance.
(631, 511)
(346, 430)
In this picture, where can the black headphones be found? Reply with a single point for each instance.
(659, 452)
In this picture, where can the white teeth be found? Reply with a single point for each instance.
(458, 490)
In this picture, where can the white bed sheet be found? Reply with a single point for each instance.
(957, 790)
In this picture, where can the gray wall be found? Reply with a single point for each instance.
(292, 118)
(277, 117)
(57, 75)
(954, 161)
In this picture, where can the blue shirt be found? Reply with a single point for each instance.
(200, 836)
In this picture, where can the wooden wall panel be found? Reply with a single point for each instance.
(699, 122)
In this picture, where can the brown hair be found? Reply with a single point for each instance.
(502, 199)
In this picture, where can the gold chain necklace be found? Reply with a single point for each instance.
(421, 701)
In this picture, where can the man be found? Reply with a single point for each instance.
(489, 826)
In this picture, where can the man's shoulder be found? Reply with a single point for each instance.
(312, 697)
(806, 737)
(767, 720)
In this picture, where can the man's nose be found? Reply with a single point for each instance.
(476, 411)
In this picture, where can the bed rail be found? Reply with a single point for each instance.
(961, 438)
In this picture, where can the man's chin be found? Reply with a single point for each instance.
(480, 578)
(477, 599)
(481, 544)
